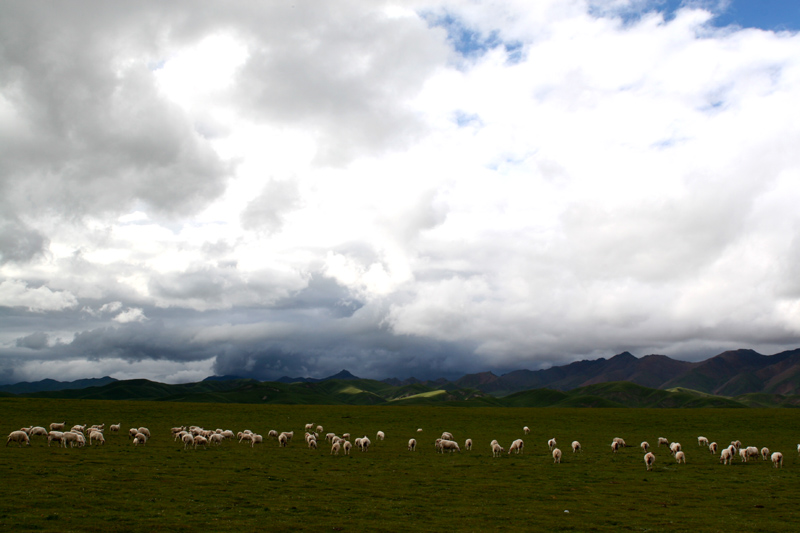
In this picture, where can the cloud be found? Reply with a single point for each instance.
(15, 293)
(408, 188)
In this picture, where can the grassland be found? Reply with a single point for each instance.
(161, 487)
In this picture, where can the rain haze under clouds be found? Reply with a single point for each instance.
(400, 189)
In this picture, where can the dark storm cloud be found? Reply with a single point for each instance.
(34, 341)
(19, 242)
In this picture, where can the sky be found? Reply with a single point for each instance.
(397, 188)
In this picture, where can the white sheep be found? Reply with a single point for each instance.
(216, 438)
(200, 440)
(798, 448)
(680, 457)
(556, 455)
(320, 429)
(19, 437)
(56, 426)
(380, 435)
(662, 440)
(346, 436)
(516, 447)
(497, 449)
(675, 447)
(365, 442)
(419, 430)
(743, 455)
(649, 460)
(468, 444)
(777, 459)
(526, 430)
(335, 448)
(142, 438)
(329, 437)
(37, 430)
(551, 443)
(712, 447)
(645, 446)
(737, 444)
(188, 440)
(245, 437)
(347, 446)
(764, 453)
(145, 432)
(726, 456)
(752, 452)
(493, 442)
(115, 428)
(310, 426)
(137, 442)
(447, 436)
(56, 436)
(620, 441)
(283, 440)
(97, 437)
(412, 445)
(71, 438)
(615, 446)
(132, 432)
(576, 446)
(312, 444)
(258, 439)
(702, 441)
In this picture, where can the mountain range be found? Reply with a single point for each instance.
(732, 374)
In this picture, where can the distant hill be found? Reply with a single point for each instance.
(344, 374)
(371, 392)
(53, 385)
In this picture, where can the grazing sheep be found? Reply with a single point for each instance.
(662, 440)
(680, 457)
(675, 447)
(137, 442)
(55, 426)
(272, 434)
(365, 442)
(346, 446)
(412, 445)
(380, 435)
(320, 429)
(97, 437)
(726, 456)
(702, 441)
(649, 459)
(493, 442)
(56, 436)
(712, 447)
(798, 448)
(468, 444)
(346, 436)
(258, 439)
(419, 430)
(142, 438)
(615, 446)
(736, 444)
(312, 444)
(764, 453)
(329, 437)
(289, 435)
(37, 430)
(497, 449)
(743, 455)
(576, 446)
(335, 448)
(200, 440)
(777, 459)
(551, 443)
(620, 441)
(216, 438)
(283, 440)
(645, 446)
(145, 432)
(19, 437)
(115, 428)
(556, 455)
(447, 436)
(188, 440)
(526, 430)
(72, 438)
(245, 437)
(132, 433)
(752, 451)
(516, 447)
(310, 426)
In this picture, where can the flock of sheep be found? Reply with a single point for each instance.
(196, 436)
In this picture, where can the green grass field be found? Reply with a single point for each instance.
(119, 487)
